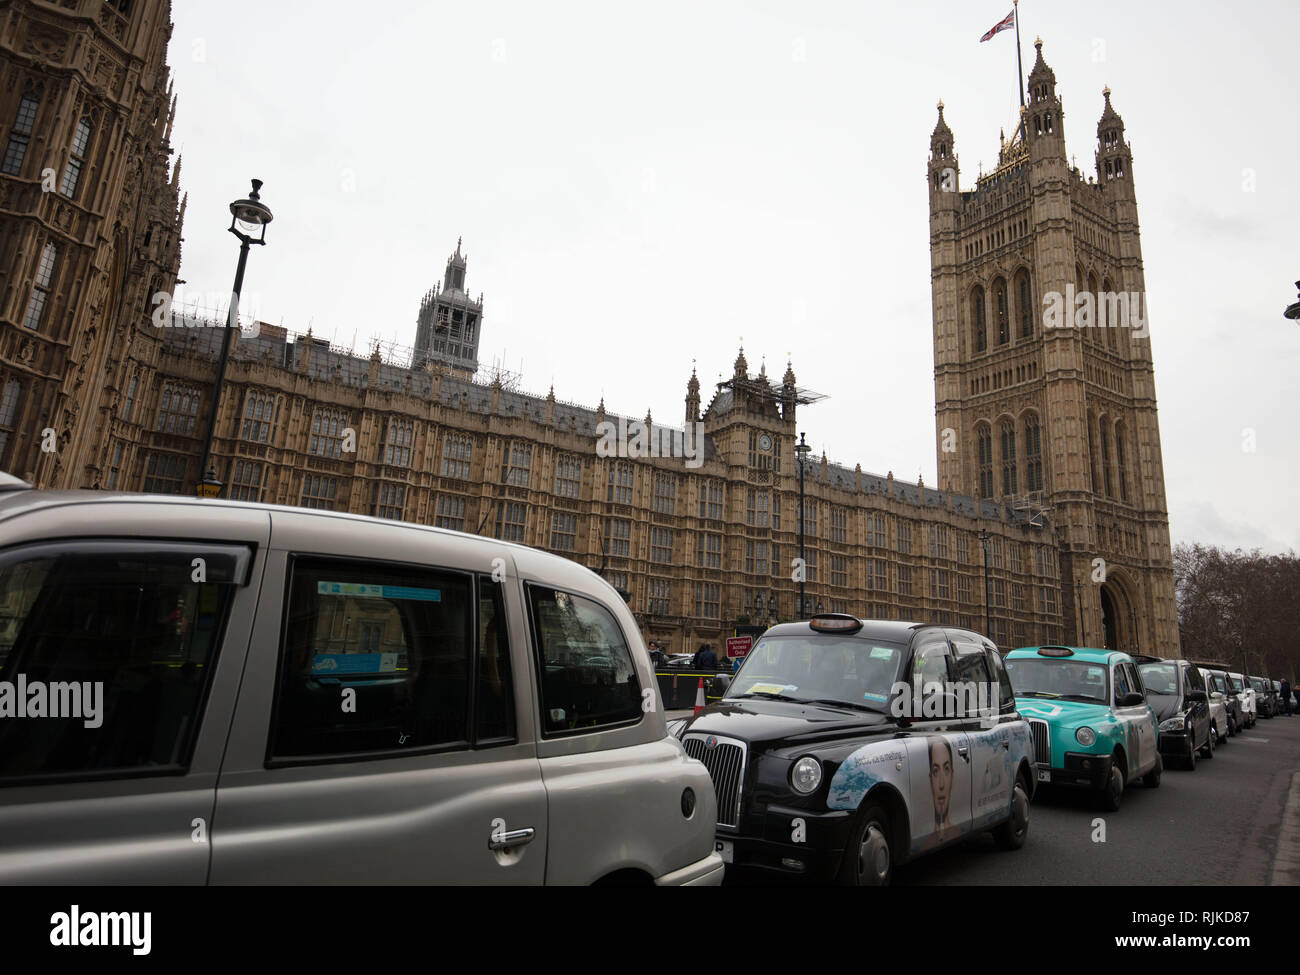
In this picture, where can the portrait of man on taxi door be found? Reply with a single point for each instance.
(941, 779)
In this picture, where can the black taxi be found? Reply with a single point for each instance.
(845, 746)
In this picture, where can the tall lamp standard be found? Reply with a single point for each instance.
(248, 220)
(1078, 609)
(984, 543)
(801, 449)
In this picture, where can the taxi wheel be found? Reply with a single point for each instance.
(868, 861)
(1113, 794)
(1152, 779)
(1210, 741)
(1012, 834)
(1191, 757)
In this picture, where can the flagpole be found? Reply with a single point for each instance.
(1024, 134)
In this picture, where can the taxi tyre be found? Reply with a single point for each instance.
(1152, 779)
(1190, 760)
(868, 844)
(1012, 834)
(1207, 750)
(1113, 792)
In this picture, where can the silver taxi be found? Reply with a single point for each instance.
(198, 691)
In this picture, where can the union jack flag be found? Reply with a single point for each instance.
(1006, 23)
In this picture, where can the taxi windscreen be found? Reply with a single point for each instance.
(827, 669)
(1161, 679)
(1054, 677)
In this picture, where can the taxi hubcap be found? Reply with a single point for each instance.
(873, 858)
(1021, 812)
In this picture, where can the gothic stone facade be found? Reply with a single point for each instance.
(90, 227)
(694, 540)
(302, 423)
(1048, 410)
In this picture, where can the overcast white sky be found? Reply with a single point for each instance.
(639, 185)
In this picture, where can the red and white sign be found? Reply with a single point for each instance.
(738, 646)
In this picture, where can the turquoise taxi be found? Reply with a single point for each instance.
(1091, 723)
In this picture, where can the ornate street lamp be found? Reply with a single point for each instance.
(1293, 310)
(248, 220)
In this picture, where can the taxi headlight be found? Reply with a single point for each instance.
(1176, 723)
(806, 775)
(1085, 736)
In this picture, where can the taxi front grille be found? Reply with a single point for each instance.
(726, 764)
(1042, 742)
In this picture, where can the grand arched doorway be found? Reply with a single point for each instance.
(1118, 624)
(1109, 621)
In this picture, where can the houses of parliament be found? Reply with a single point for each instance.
(1047, 440)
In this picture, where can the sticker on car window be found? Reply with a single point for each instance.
(773, 688)
(882, 653)
(356, 663)
(366, 591)
(870, 696)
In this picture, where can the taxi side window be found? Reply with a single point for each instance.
(930, 665)
(1122, 682)
(1194, 679)
(969, 667)
(1135, 679)
(111, 644)
(375, 658)
(1006, 694)
(588, 679)
(495, 700)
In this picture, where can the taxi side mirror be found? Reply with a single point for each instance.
(1131, 699)
(1198, 696)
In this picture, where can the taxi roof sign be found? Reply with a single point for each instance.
(1055, 652)
(835, 623)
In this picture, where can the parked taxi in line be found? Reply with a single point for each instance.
(1091, 722)
(311, 697)
(846, 746)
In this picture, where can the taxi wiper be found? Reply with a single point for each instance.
(845, 704)
(1081, 697)
(1037, 694)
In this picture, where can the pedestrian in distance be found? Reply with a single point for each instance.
(1286, 697)
(707, 659)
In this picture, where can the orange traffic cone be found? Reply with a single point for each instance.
(699, 697)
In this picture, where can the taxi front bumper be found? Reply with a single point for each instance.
(1080, 771)
(811, 851)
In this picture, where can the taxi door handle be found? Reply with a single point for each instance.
(964, 752)
(511, 838)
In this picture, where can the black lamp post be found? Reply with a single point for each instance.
(1078, 609)
(1293, 310)
(248, 220)
(984, 537)
(801, 450)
